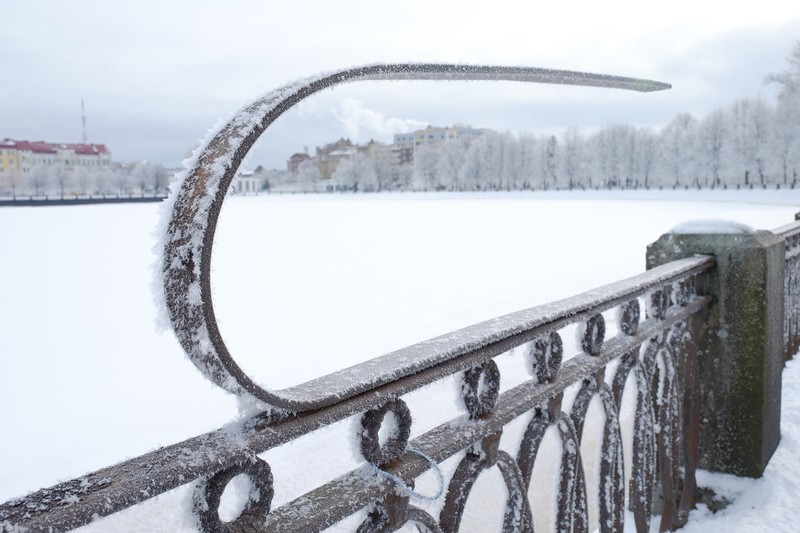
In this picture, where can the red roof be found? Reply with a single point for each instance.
(41, 147)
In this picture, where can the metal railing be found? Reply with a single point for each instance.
(791, 292)
(659, 354)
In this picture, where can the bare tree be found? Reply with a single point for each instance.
(712, 139)
(12, 181)
(62, 177)
(678, 151)
(39, 179)
(82, 179)
(425, 163)
(785, 145)
(572, 157)
(646, 155)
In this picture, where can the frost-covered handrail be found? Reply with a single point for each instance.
(664, 341)
(791, 233)
(791, 287)
(197, 198)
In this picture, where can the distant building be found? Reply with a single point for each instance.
(21, 157)
(405, 144)
(378, 152)
(246, 182)
(329, 156)
(436, 136)
(296, 160)
(393, 156)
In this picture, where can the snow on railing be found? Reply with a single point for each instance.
(659, 354)
(197, 196)
(791, 291)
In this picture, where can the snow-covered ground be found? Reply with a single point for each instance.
(304, 285)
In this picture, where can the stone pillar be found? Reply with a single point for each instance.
(741, 352)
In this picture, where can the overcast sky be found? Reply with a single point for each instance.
(156, 75)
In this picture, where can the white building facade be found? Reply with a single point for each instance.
(21, 157)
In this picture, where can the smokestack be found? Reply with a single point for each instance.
(83, 121)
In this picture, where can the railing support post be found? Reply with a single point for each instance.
(741, 352)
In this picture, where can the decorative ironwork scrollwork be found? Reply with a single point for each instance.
(544, 356)
(629, 315)
(593, 334)
(657, 303)
(660, 359)
(480, 388)
(478, 458)
(393, 512)
(644, 451)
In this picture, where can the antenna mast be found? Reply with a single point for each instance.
(83, 121)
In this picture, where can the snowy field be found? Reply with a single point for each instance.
(304, 285)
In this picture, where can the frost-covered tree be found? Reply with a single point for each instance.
(493, 153)
(645, 156)
(12, 181)
(38, 180)
(159, 179)
(748, 123)
(62, 178)
(140, 175)
(573, 164)
(365, 171)
(549, 162)
(712, 148)
(384, 174)
(356, 173)
(426, 159)
(677, 154)
(82, 179)
(121, 182)
(785, 143)
(510, 162)
(308, 175)
(761, 121)
(469, 174)
(452, 155)
(789, 79)
(530, 156)
(613, 156)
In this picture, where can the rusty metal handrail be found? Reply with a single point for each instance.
(665, 341)
(115, 488)
(198, 199)
(791, 288)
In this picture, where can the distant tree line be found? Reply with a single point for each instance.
(748, 144)
(141, 178)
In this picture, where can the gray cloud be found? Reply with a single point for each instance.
(156, 76)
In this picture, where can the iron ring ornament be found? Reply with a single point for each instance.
(544, 357)
(381, 454)
(196, 201)
(480, 388)
(208, 495)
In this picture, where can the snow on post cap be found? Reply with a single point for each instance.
(711, 226)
